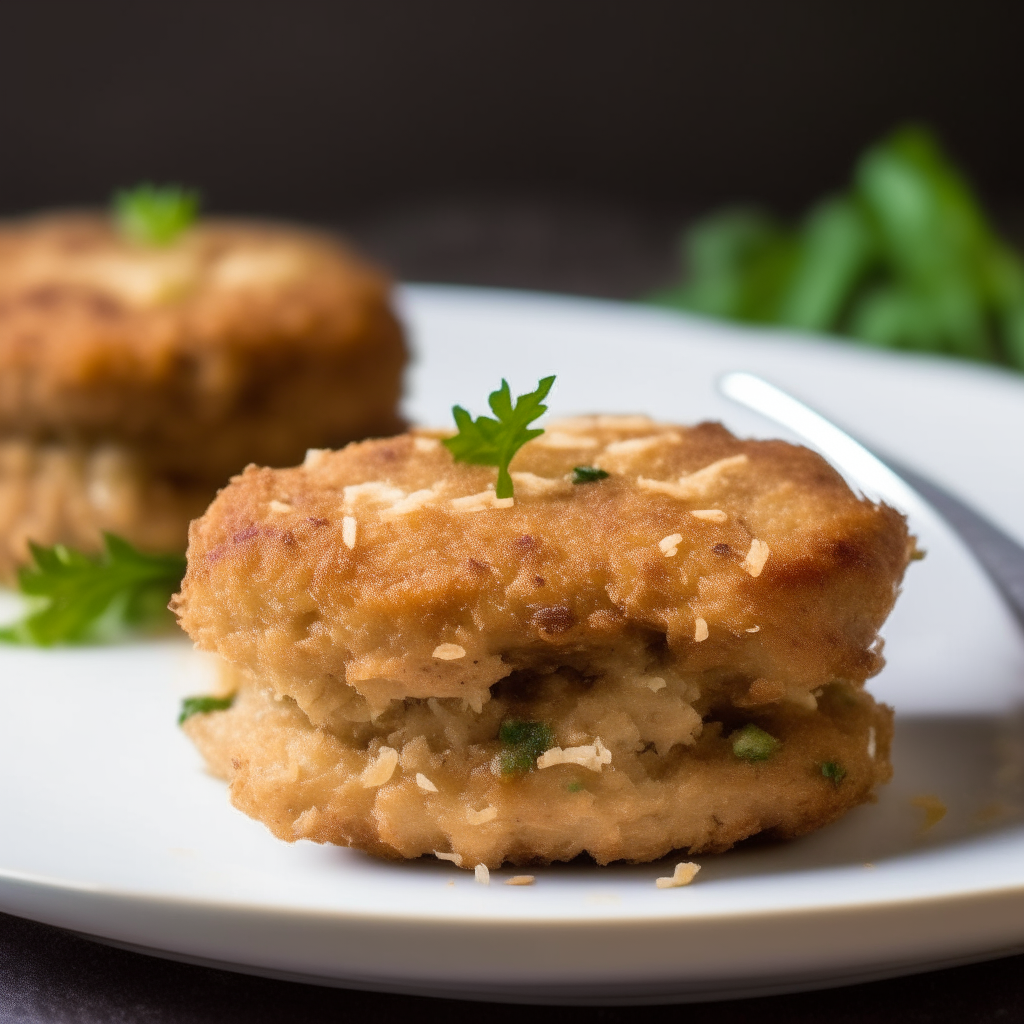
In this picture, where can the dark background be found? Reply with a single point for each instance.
(537, 144)
(567, 141)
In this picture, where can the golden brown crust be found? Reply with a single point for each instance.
(307, 783)
(390, 614)
(565, 576)
(240, 342)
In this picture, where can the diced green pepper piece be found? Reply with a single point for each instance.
(753, 744)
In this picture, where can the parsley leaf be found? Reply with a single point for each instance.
(493, 442)
(753, 743)
(155, 215)
(834, 772)
(524, 742)
(587, 474)
(203, 705)
(82, 597)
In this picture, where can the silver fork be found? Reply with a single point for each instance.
(904, 488)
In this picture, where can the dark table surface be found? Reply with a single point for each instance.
(49, 975)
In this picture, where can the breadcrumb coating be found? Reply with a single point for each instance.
(395, 624)
(569, 574)
(305, 782)
(241, 342)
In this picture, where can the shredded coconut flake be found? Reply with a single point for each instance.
(280, 506)
(411, 502)
(481, 502)
(521, 880)
(530, 483)
(633, 445)
(756, 557)
(381, 769)
(449, 652)
(424, 783)
(698, 484)
(454, 858)
(670, 545)
(348, 531)
(803, 699)
(754, 629)
(593, 756)
(711, 515)
(374, 490)
(425, 444)
(620, 455)
(684, 874)
(655, 683)
(313, 456)
(872, 742)
(482, 875)
(558, 439)
(483, 816)
(700, 629)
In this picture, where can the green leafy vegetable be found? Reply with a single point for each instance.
(155, 215)
(753, 743)
(203, 705)
(524, 742)
(493, 442)
(78, 597)
(575, 787)
(906, 258)
(834, 772)
(587, 474)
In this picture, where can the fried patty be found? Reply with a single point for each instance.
(384, 604)
(448, 792)
(241, 342)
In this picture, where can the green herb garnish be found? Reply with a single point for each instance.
(493, 442)
(203, 705)
(833, 771)
(905, 258)
(575, 787)
(753, 743)
(587, 474)
(524, 742)
(155, 215)
(80, 597)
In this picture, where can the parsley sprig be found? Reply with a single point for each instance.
(77, 598)
(155, 214)
(493, 442)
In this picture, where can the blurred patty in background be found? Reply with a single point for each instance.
(144, 359)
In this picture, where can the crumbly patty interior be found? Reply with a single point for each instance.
(388, 610)
(240, 342)
(70, 494)
(427, 776)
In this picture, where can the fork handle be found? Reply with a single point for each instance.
(1000, 555)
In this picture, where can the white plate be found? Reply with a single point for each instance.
(111, 827)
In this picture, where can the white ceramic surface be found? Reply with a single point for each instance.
(111, 827)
